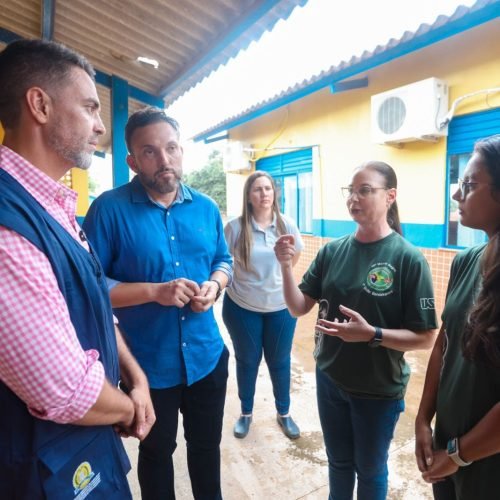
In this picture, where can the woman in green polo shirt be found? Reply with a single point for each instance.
(462, 386)
(376, 301)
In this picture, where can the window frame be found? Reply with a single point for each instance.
(288, 165)
(463, 132)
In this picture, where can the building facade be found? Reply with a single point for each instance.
(312, 143)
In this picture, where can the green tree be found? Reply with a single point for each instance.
(210, 180)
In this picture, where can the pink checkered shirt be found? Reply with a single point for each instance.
(41, 359)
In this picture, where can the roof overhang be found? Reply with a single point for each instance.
(188, 39)
(444, 27)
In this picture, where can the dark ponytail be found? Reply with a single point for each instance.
(391, 181)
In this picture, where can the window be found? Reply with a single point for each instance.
(464, 131)
(292, 173)
(458, 235)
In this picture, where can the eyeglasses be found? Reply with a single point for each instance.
(362, 192)
(466, 187)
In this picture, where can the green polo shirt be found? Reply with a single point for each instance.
(389, 283)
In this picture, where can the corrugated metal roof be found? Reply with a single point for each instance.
(189, 38)
(445, 26)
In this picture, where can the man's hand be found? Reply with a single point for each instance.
(144, 412)
(144, 415)
(176, 293)
(205, 299)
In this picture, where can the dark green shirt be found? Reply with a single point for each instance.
(389, 283)
(467, 390)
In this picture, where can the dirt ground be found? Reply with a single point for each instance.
(266, 465)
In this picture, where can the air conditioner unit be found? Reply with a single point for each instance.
(236, 157)
(410, 113)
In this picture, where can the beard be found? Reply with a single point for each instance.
(71, 148)
(159, 184)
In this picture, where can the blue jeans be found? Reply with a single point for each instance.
(357, 434)
(253, 333)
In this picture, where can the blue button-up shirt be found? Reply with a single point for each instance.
(138, 240)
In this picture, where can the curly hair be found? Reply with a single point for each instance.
(481, 340)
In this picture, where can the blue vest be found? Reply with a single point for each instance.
(39, 458)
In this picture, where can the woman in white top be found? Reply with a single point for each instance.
(254, 309)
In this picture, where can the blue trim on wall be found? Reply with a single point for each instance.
(135, 93)
(119, 117)
(328, 228)
(7, 36)
(449, 29)
(102, 78)
(421, 235)
(424, 235)
(145, 97)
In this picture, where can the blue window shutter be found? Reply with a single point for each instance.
(285, 167)
(288, 163)
(465, 130)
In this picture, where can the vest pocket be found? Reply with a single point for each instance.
(81, 463)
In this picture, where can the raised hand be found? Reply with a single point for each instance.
(284, 249)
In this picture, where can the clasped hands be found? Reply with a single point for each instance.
(143, 417)
(182, 291)
(435, 465)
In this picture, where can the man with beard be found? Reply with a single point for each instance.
(60, 356)
(162, 247)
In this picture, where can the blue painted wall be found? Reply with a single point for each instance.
(421, 235)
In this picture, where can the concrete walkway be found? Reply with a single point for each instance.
(267, 465)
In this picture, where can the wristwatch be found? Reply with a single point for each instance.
(377, 338)
(219, 287)
(454, 452)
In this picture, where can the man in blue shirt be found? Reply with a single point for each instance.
(162, 246)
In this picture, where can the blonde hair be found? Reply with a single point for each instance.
(245, 239)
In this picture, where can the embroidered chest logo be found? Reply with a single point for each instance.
(84, 480)
(380, 279)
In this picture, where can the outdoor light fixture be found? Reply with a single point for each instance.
(148, 61)
(140, 59)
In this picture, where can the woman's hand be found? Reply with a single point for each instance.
(423, 445)
(442, 466)
(356, 329)
(285, 250)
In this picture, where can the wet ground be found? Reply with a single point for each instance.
(267, 465)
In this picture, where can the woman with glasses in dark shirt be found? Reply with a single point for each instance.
(462, 386)
(376, 302)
